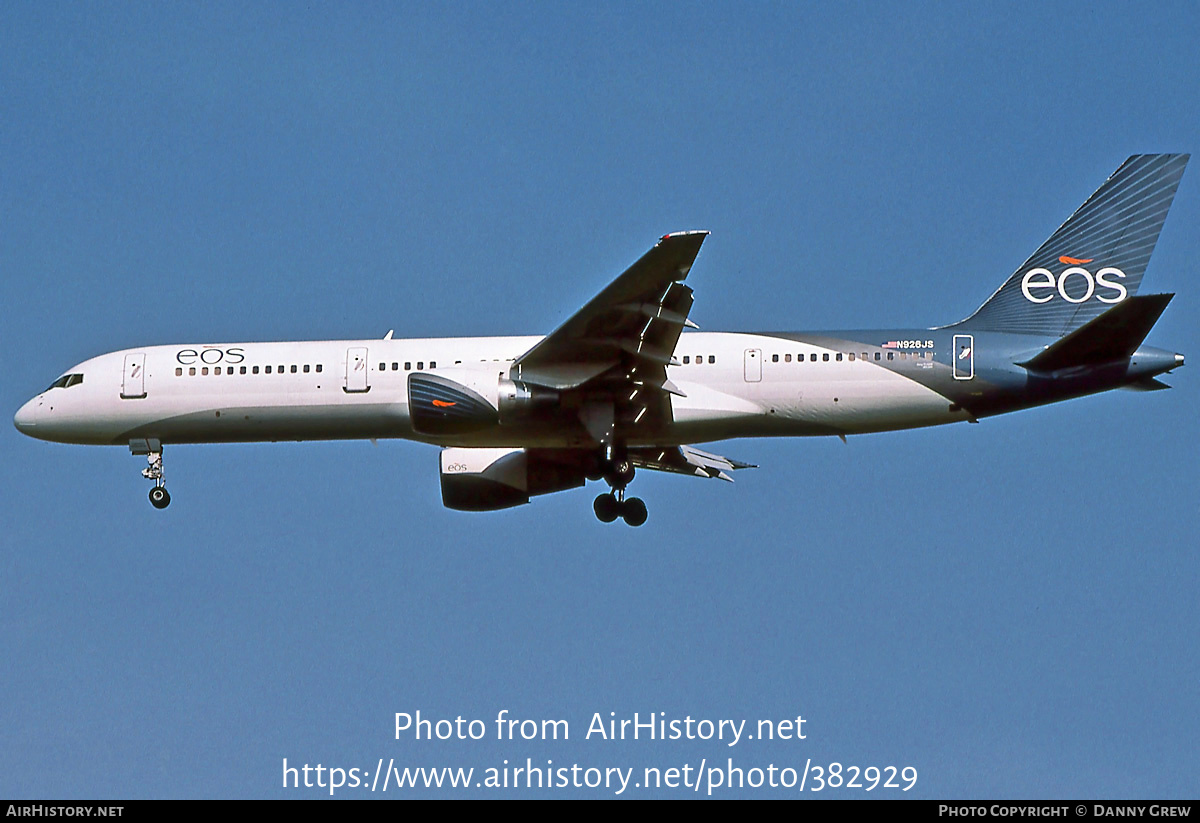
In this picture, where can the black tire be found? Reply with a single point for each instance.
(607, 508)
(159, 498)
(634, 511)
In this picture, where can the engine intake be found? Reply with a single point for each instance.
(438, 405)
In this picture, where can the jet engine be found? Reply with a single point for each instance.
(461, 401)
(489, 479)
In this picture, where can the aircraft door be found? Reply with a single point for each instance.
(753, 365)
(133, 377)
(357, 373)
(964, 357)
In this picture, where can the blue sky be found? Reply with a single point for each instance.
(1008, 607)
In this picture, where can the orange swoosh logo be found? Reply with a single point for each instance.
(1074, 261)
(442, 404)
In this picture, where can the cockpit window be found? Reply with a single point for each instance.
(66, 381)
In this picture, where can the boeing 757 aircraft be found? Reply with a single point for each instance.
(621, 386)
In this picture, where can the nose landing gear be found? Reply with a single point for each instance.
(159, 498)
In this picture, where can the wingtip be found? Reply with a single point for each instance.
(689, 233)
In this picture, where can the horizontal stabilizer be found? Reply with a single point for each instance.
(1110, 337)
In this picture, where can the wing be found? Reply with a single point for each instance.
(635, 321)
(686, 460)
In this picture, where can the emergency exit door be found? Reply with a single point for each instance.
(133, 377)
(357, 373)
(964, 357)
(753, 365)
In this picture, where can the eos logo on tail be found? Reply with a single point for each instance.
(1042, 280)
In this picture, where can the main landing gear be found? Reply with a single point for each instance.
(614, 504)
(159, 497)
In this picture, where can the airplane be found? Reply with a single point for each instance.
(627, 383)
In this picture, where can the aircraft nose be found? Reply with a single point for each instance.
(26, 417)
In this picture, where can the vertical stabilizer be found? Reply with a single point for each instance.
(1095, 260)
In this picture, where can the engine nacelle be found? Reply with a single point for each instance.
(439, 405)
(459, 401)
(478, 480)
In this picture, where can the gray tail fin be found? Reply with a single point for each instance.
(1095, 260)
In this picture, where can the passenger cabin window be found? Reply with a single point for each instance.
(813, 357)
(293, 369)
(825, 357)
(319, 367)
(306, 368)
(179, 372)
(787, 358)
(687, 359)
(712, 358)
(267, 369)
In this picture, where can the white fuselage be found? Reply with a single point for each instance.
(347, 389)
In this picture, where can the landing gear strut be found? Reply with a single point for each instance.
(159, 498)
(618, 472)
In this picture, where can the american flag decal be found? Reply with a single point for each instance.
(891, 344)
